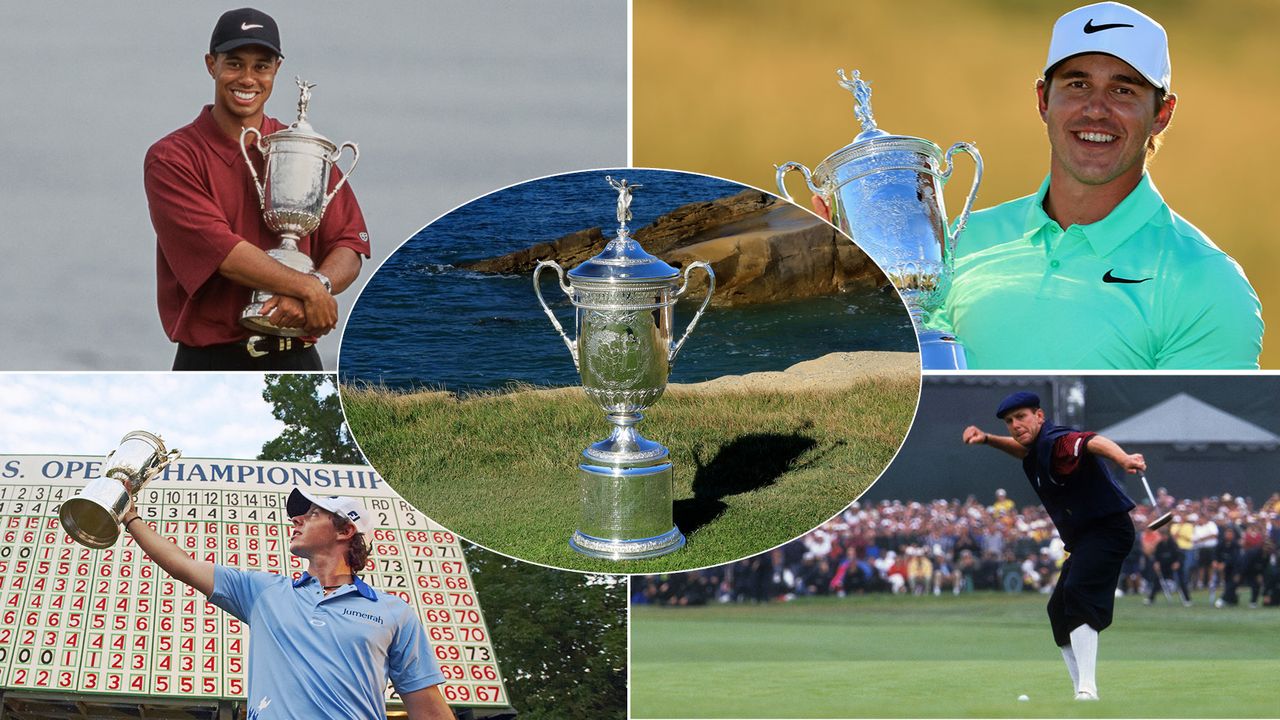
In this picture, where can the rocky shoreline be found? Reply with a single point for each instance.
(761, 248)
(834, 371)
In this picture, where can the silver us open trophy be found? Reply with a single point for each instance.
(885, 191)
(92, 517)
(293, 198)
(624, 299)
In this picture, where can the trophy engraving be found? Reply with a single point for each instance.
(624, 301)
(885, 192)
(92, 517)
(292, 196)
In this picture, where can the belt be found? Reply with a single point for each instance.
(256, 346)
(263, 345)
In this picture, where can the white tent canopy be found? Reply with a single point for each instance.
(1182, 420)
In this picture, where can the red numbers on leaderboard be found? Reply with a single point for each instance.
(110, 621)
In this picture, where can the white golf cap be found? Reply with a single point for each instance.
(300, 502)
(1114, 29)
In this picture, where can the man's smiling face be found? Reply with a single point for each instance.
(242, 79)
(1099, 113)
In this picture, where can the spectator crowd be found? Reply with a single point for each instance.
(1221, 545)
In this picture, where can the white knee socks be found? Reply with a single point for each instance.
(1069, 655)
(1084, 645)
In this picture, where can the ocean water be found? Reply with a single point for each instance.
(422, 322)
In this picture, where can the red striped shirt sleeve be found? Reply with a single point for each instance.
(1069, 450)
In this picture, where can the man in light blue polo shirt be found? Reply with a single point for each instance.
(1094, 270)
(325, 645)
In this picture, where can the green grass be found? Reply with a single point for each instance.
(751, 470)
(970, 656)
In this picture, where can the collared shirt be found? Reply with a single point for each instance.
(1075, 486)
(1140, 289)
(203, 203)
(317, 656)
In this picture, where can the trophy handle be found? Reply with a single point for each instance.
(787, 167)
(355, 158)
(972, 151)
(167, 459)
(161, 463)
(537, 289)
(262, 193)
(711, 286)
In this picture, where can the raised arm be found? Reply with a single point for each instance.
(973, 435)
(1107, 448)
(171, 558)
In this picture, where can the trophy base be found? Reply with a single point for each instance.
(291, 257)
(252, 318)
(92, 518)
(626, 500)
(941, 351)
(669, 541)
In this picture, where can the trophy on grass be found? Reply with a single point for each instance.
(293, 197)
(92, 517)
(885, 192)
(624, 300)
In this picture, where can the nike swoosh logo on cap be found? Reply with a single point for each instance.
(1109, 278)
(1090, 28)
(247, 26)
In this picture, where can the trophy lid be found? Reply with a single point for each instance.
(623, 260)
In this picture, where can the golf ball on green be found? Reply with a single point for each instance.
(1023, 698)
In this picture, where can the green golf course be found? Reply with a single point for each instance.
(948, 656)
(753, 468)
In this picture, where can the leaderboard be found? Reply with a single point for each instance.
(76, 620)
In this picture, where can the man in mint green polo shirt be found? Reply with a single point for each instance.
(1094, 270)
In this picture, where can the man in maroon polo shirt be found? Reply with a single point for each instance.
(211, 239)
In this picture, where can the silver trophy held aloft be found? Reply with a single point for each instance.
(624, 300)
(885, 191)
(92, 517)
(292, 196)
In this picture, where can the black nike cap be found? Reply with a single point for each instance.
(246, 26)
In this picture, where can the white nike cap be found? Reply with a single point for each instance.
(300, 502)
(1114, 29)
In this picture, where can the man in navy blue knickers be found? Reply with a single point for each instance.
(1091, 512)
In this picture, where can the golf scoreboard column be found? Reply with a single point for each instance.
(76, 620)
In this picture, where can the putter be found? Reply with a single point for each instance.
(1163, 519)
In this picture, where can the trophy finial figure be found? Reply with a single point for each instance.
(624, 198)
(862, 98)
(304, 97)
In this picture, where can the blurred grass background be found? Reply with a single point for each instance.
(732, 87)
